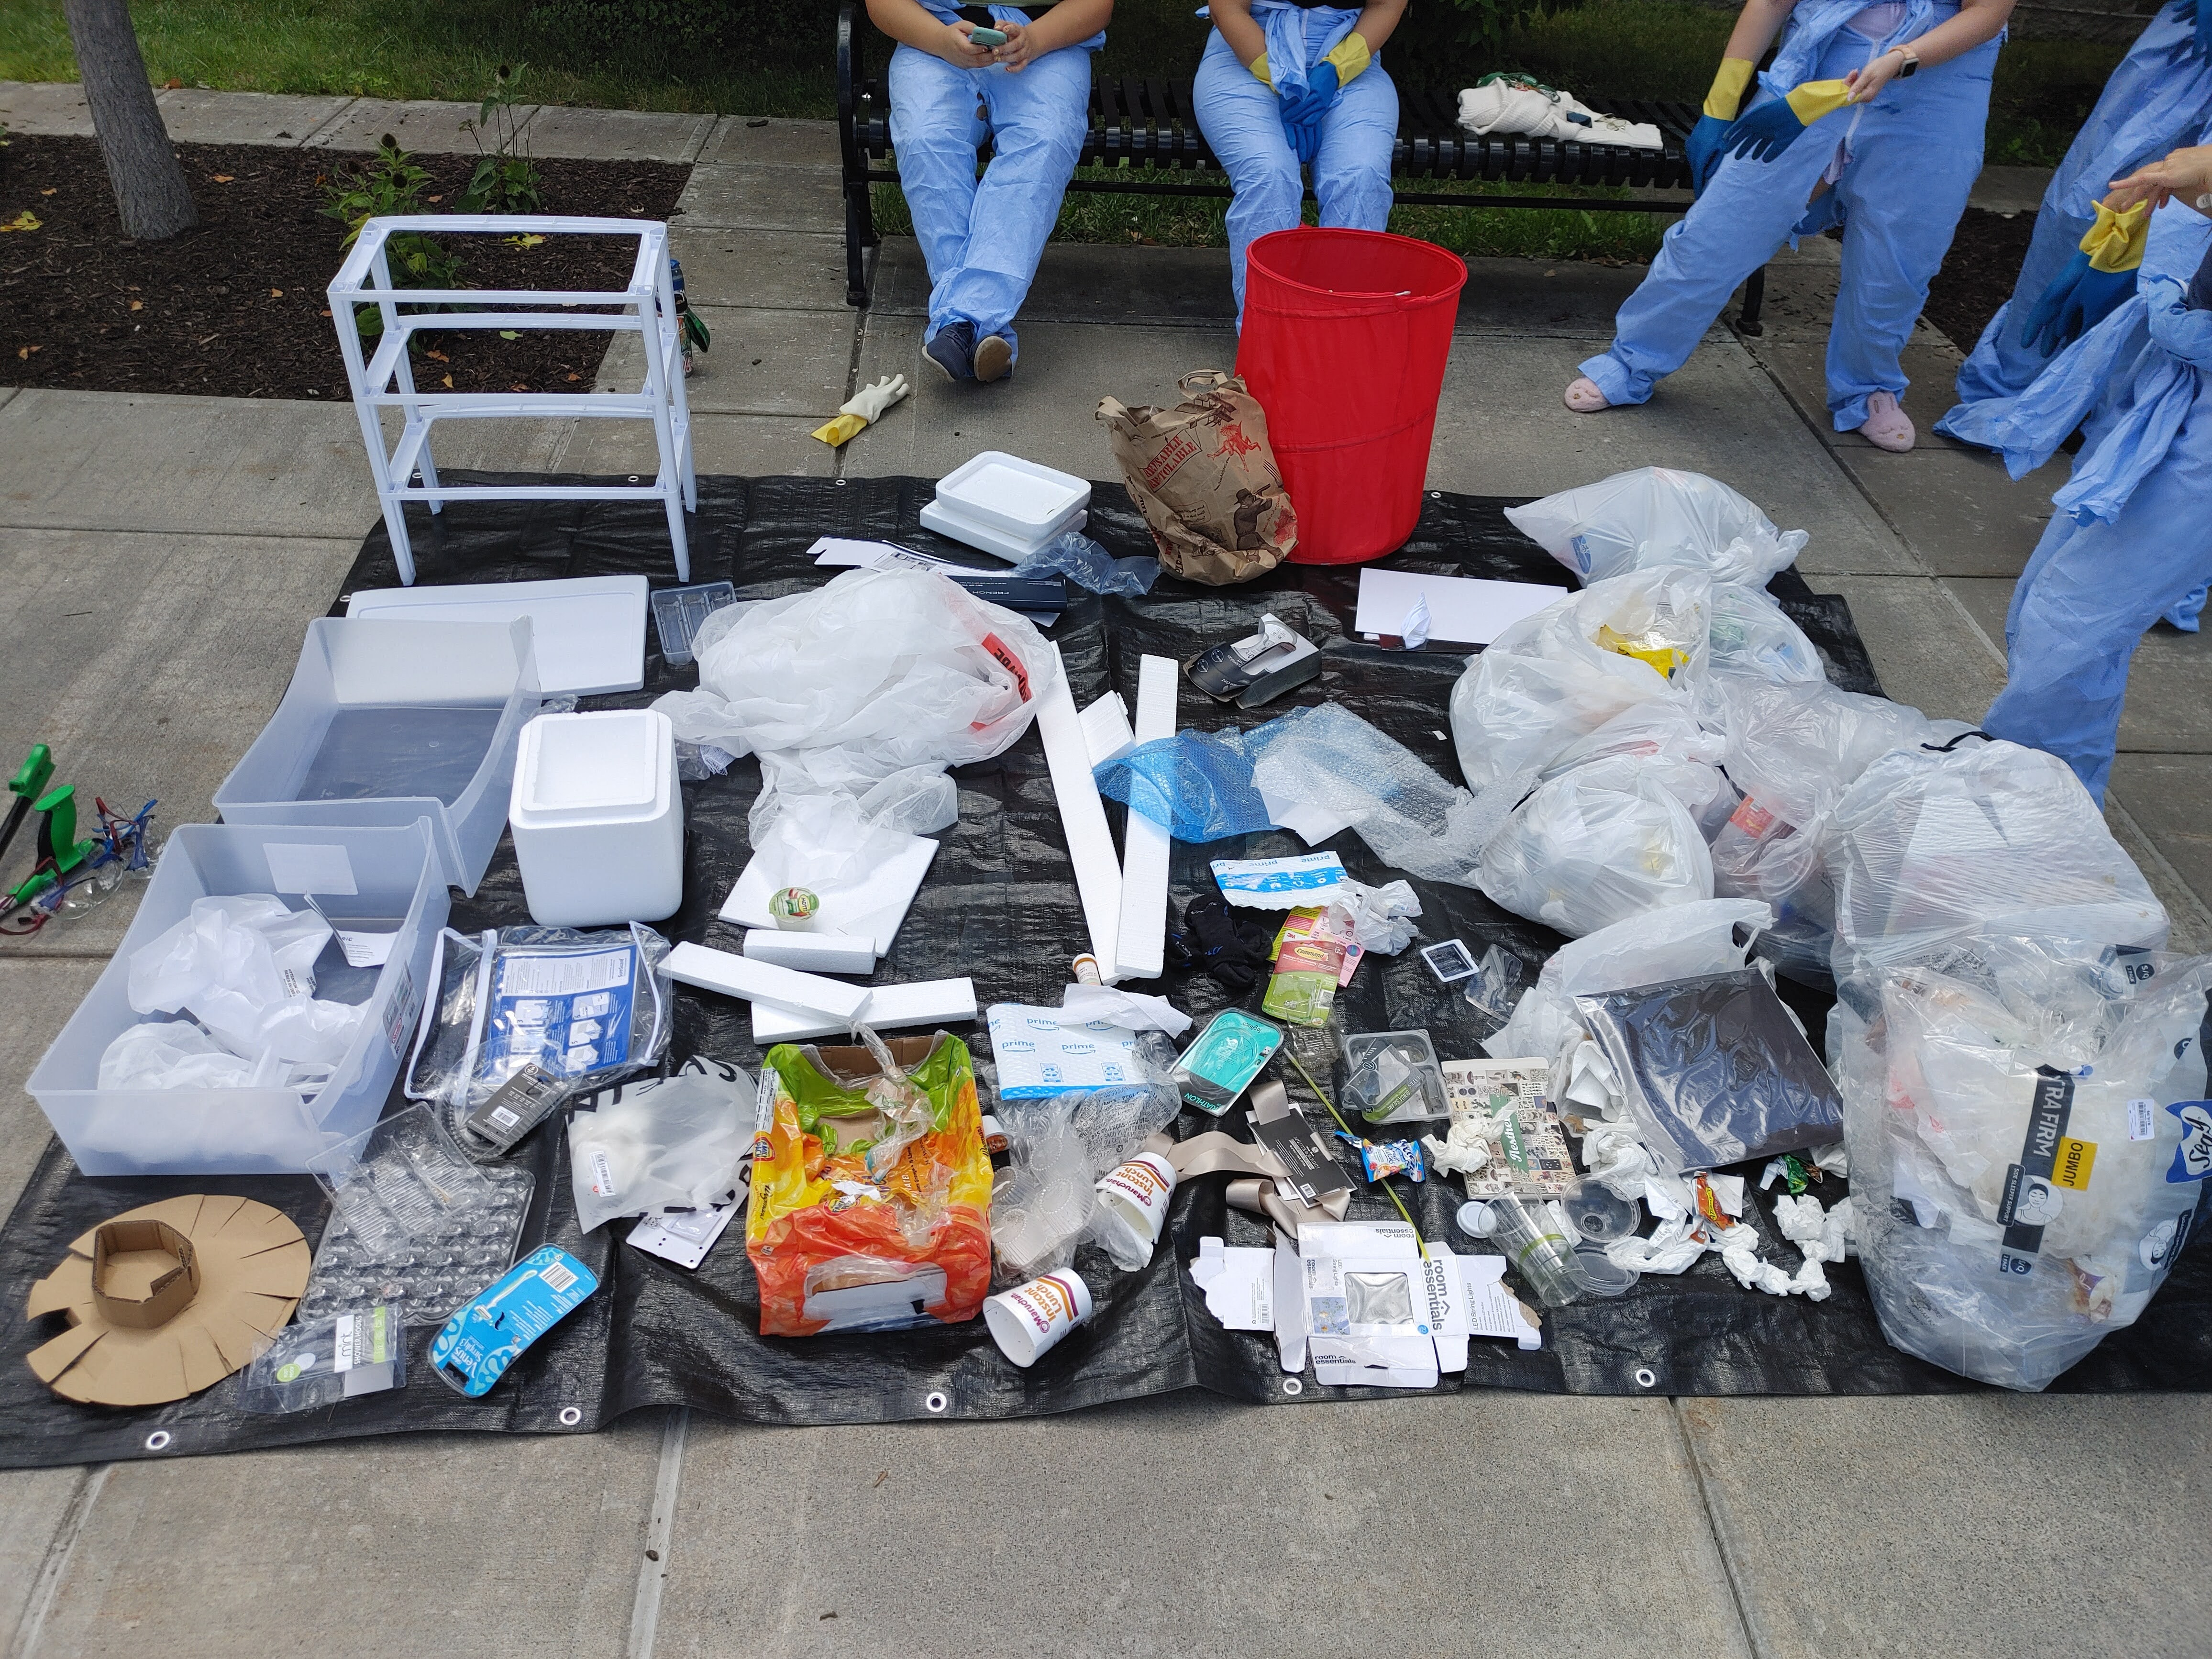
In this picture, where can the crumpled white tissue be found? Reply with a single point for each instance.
(1132, 1011)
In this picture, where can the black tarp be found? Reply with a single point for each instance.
(1000, 906)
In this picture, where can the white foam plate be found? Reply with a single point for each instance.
(1006, 493)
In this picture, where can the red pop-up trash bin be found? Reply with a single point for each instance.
(1346, 333)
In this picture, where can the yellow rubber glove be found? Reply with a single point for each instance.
(1814, 99)
(1260, 68)
(1726, 97)
(842, 430)
(2115, 241)
(1349, 56)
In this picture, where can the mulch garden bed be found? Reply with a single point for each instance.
(236, 307)
(1978, 273)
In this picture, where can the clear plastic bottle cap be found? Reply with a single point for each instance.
(1475, 1219)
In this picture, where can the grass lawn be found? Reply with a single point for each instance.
(448, 48)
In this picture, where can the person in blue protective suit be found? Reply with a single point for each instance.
(1283, 87)
(1030, 97)
(1870, 117)
(2132, 537)
(2160, 95)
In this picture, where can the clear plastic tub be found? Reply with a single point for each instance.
(388, 721)
(1393, 1077)
(399, 888)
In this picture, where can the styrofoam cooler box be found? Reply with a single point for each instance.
(386, 721)
(598, 818)
(372, 880)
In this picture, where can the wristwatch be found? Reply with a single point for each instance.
(1912, 63)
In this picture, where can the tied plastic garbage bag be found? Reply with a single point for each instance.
(244, 966)
(1565, 671)
(1601, 843)
(876, 673)
(177, 1054)
(1655, 518)
(1663, 731)
(2024, 1118)
(1713, 1070)
(1984, 837)
(661, 1143)
(1089, 565)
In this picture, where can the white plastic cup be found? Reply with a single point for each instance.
(1132, 1204)
(1028, 1319)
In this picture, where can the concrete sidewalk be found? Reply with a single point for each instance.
(161, 556)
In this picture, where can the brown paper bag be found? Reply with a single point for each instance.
(1204, 476)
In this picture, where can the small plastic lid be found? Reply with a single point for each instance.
(1475, 1219)
(1600, 1275)
(1599, 1216)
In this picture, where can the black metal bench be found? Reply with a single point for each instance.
(1144, 123)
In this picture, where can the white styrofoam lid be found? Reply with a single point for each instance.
(576, 766)
(1011, 494)
(587, 632)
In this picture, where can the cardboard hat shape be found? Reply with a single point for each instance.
(168, 1299)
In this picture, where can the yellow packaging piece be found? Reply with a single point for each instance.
(1646, 649)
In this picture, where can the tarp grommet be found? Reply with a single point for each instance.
(936, 1402)
(159, 1440)
(1293, 1386)
(1646, 1377)
(570, 1416)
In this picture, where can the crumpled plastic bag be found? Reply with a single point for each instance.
(177, 1054)
(661, 1143)
(2022, 1180)
(1603, 843)
(1752, 636)
(1984, 837)
(1655, 518)
(1074, 555)
(876, 673)
(243, 965)
(1567, 669)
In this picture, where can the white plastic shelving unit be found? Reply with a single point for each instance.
(384, 379)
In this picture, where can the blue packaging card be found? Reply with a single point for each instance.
(473, 1349)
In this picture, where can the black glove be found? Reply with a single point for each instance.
(1218, 940)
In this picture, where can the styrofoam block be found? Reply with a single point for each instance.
(1082, 816)
(1106, 729)
(812, 953)
(923, 1002)
(743, 976)
(871, 908)
(1141, 938)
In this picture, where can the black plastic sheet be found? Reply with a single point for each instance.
(1000, 906)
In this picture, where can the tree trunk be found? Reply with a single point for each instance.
(150, 191)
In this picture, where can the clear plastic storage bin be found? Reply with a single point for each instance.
(388, 721)
(399, 888)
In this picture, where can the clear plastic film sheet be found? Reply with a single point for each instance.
(1000, 905)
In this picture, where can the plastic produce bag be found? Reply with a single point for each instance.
(244, 965)
(1600, 844)
(870, 1189)
(2021, 1116)
(1089, 565)
(177, 1054)
(589, 1007)
(1714, 1070)
(1753, 637)
(876, 673)
(1654, 518)
(661, 1143)
(1573, 665)
(1984, 837)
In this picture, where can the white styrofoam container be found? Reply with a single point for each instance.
(598, 818)
(939, 516)
(589, 632)
(398, 883)
(388, 721)
(1004, 492)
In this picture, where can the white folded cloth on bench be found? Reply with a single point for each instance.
(1512, 103)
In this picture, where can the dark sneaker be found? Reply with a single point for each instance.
(953, 349)
(994, 358)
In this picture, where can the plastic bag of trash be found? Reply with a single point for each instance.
(876, 674)
(1752, 635)
(1663, 731)
(1655, 518)
(1983, 836)
(659, 1145)
(1601, 843)
(1565, 671)
(2028, 1143)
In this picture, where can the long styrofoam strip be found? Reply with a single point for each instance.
(1140, 940)
(812, 953)
(741, 977)
(1082, 816)
(923, 1002)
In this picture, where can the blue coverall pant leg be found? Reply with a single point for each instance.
(1913, 161)
(982, 241)
(1242, 122)
(2084, 599)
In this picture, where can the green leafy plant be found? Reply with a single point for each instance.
(391, 183)
(506, 179)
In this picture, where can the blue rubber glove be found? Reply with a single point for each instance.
(2078, 298)
(1705, 146)
(1765, 132)
(2188, 11)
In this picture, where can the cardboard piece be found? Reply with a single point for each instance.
(252, 1265)
(145, 1273)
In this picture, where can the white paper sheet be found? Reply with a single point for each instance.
(1463, 610)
